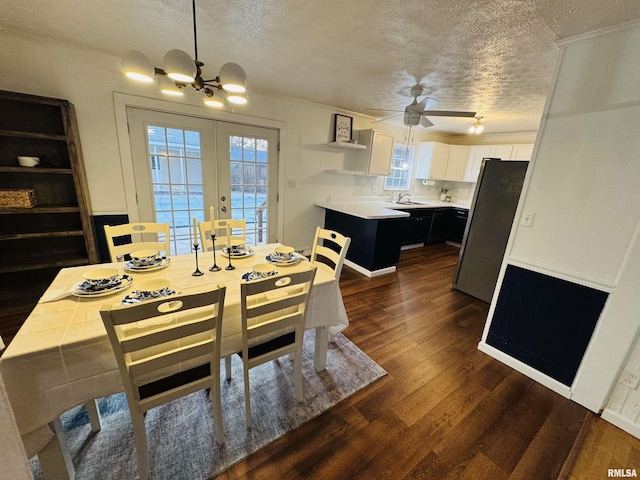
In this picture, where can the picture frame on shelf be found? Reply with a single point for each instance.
(343, 128)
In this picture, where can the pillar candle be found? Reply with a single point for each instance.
(195, 231)
(211, 218)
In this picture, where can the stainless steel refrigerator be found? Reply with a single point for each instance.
(490, 219)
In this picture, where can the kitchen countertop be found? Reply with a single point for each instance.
(377, 208)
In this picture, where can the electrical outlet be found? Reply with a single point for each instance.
(291, 182)
(629, 378)
(527, 219)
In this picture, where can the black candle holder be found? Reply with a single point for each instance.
(214, 267)
(197, 273)
(229, 253)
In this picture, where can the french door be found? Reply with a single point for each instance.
(183, 165)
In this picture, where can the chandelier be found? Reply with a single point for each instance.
(181, 70)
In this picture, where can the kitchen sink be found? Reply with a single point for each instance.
(409, 203)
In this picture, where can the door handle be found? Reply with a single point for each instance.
(223, 208)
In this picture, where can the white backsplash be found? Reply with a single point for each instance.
(460, 192)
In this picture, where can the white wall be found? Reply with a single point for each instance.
(583, 189)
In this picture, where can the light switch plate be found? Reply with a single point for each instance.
(527, 219)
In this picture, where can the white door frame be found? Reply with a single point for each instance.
(123, 100)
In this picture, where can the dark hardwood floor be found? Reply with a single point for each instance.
(445, 410)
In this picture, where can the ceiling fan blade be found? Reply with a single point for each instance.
(427, 102)
(425, 122)
(448, 113)
(382, 110)
(388, 118)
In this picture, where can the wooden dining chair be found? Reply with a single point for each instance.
(273, 316)
(329, 251)
(129, 237)
(166, 349)
(221, 226)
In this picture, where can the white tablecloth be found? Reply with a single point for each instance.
(62, 357)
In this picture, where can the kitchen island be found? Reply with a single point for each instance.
(379, 228)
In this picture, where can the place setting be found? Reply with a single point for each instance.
(283, 256)
(237, 250)
(102, 282)
(147, 260)
(151, 290)
(260, 271)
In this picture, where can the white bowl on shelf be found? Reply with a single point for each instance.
(28, 161)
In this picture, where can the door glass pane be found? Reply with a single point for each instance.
(176, 175)
(249, 184)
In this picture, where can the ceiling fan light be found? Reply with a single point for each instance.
(479, 128)
(179, 66)
(472, 129)
(237, 98)
(137, 67)
(233, 78)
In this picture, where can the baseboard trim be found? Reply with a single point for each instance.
(622, 423)
(369, 273)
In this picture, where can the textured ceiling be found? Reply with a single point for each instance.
(495, 57)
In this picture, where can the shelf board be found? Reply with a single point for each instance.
(347, 145)
(357, 173)
(66, 171)
(35, 135)
(40, 209)
(43, 233)
(43, 262)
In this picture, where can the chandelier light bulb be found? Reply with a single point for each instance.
(479, 128)
(237, 98)
(179, 66)
(213, 102)
(233, 78)
(137, 67)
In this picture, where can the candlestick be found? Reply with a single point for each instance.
(214, 267)
(197, 272)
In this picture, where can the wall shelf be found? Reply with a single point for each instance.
(347, 145)
(357, 173)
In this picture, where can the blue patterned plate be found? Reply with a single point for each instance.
(249, 276)
(280, 260)
(137, 296)
(85, 289)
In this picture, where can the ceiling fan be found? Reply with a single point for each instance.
(416, 113)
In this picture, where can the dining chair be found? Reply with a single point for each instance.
(221, 226)
(166, 349)
(153, 236)
(329, 251)
(273, 316)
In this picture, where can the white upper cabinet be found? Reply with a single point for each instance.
(522, 152)
(501, 151)
(376, 159)
(474, 161)
(441, 161)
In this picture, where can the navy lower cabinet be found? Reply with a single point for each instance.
(545, 322)
(375, 244)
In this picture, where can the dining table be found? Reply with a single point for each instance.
(61, 357)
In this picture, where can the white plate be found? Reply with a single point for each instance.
(130, 266)
(124, 283)
(136, 296)
(276, 261)
(246, 253)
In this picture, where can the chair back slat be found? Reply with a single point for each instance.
(270, 326)
(144, 235)
(220, 227)
(141, 368)
(292, 300)
(139, 342)
(332, 246)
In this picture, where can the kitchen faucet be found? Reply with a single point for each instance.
(402, 195)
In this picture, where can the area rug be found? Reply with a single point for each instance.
(180, 434)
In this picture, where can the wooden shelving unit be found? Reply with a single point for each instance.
(35, 243)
